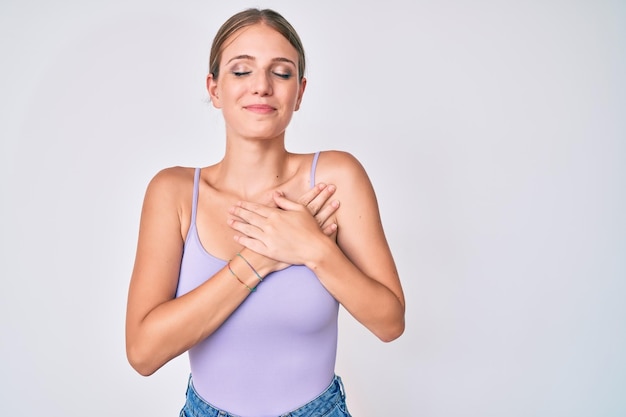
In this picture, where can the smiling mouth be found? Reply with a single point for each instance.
(260, 108)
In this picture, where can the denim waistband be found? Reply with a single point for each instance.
(319, 406)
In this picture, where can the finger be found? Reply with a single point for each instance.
(286, 204)
(321, 199)
(330, 229)
(311, 194)
(327, 211)
(253, 244)
(250, 212)
(246, 229)
(257, 208)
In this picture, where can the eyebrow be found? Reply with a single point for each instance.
(251, 58)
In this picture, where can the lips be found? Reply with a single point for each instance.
(260, 108)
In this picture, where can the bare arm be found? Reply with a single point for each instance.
(159, 326)
(359, 271)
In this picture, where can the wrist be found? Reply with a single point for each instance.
(257, 263)
(320, 253)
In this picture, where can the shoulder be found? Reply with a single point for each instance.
(339, 166)
(336, 156)
(171, 185)
(171, 178)
(168, 199)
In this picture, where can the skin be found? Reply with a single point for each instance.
(257, 200)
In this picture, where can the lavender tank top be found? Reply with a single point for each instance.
(277, 351)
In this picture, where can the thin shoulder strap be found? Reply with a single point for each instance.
(196, 187)
(313, 167)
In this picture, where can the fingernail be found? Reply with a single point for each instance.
(332, 188)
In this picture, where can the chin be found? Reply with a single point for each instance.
(263, 134)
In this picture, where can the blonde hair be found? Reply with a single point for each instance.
(251, 17)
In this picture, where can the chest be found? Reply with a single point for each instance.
(213, 216)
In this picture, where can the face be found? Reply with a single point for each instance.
(258, 86)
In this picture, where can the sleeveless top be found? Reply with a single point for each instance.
(277, 351)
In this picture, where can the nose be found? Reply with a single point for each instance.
(261, 84)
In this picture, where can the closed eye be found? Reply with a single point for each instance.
(284, 76)
(241, 73)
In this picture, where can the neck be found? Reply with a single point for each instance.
(251, 168)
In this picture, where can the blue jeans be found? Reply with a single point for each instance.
(330, 403)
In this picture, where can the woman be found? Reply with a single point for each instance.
(244, 263)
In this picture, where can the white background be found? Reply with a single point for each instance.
(494, 133)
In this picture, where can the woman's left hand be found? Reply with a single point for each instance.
(285, 233)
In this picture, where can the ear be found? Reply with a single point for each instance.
(211, 87)
(300, 93)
